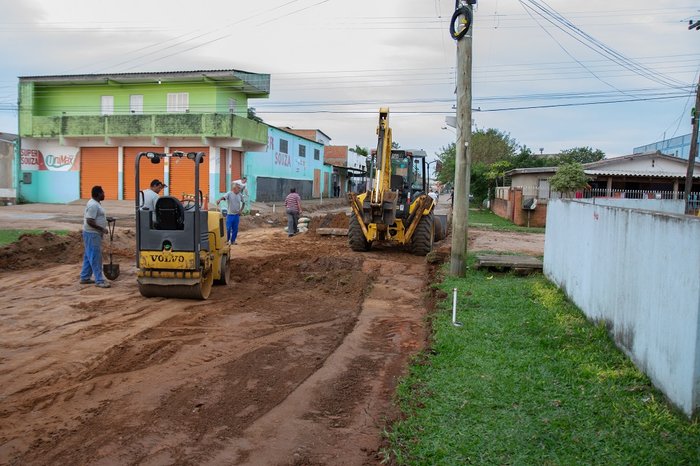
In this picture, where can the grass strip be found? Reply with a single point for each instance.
(487, 220)
(10, 236)
(528, 380)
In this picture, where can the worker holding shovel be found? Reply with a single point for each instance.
(94, 226)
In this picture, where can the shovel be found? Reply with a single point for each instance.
(111, 270)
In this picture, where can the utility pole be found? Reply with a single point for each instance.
(693, 138)
(693, 150)
(460, 31)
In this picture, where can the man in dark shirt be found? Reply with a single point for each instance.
(293, 205)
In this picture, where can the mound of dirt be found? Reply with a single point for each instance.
(31, 251)
(248, 222)
(337, 220)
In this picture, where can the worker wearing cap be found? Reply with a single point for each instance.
(235, 203)
(150, 195)
(243, 184)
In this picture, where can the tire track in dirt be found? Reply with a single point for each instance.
(174, 380)
(335, 416)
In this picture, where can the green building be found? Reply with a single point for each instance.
(77, 131)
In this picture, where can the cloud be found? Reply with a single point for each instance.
(356, 56)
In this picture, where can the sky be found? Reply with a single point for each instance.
(552, 75)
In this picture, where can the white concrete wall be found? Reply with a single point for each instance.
(529, 179)
(669, 206)
(639, 271)
(356, 161)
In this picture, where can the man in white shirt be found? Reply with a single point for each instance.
(243, 184)
(94, 227)
(434, 195)
(235, 204)
(150, 195)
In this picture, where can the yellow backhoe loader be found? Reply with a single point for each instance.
(181, 247)
(396, 207)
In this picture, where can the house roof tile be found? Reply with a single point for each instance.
(252, 83)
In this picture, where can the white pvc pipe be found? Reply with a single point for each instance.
(454, 305)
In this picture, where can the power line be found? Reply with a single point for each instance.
(570, 55)
(555, 18)
(5, 107)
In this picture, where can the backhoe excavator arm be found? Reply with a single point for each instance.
(382, 174)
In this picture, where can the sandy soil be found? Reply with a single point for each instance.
(295, 362)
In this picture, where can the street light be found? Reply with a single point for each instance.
(427, 165)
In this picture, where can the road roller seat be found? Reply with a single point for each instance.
(169, 214)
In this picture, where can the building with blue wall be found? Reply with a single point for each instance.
(288, 161)
(677, 147)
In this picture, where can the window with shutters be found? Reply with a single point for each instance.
(284, 146)
(136, 103)
(302, 150)
(317, 154)
(178, 102)
(107, 105)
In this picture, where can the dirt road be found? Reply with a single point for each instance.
(294, 363)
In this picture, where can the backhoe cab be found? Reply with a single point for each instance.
(181, 247)
(396, 208)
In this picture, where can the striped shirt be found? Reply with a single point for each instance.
(293, 202)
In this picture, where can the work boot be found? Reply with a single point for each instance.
(87, 282)
(103, 285)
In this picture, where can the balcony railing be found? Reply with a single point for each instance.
(153, 125)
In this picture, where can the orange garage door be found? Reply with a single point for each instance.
(147, 170)
(236, 165)
(99, 166)
(182, 173)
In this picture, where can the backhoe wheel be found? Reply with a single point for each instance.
(356, 238)
(422, 241)
(440, 227)
(225, 272)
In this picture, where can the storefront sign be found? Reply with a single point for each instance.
(283, 159)
(34, 159)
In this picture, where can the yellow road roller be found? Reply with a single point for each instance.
(181, 248)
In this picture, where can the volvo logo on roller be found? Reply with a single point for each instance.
(166, 259)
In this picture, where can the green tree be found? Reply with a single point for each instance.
(526, 159)
(253, 116)
(497, 171)
(569, 178)
(360, 150)
(446, 173)
(487, 146)
(479, 183)
(580, 155)
(492, 145)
